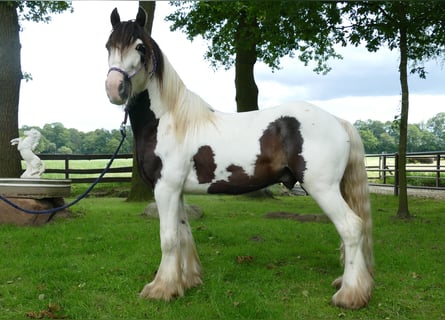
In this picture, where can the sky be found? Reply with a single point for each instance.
(68, 63)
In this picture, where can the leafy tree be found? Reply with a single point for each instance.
(387, 143)
(11, 73)
(369, 140)
(429, 142)
(377, 136)
(381, 137)
(55, 133)
(414, 138)
(417, 31)
(436, 126)
(64, 150)
(243, 32)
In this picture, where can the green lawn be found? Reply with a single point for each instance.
(93, 264)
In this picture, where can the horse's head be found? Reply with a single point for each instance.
(32, 139)
(32, 133)
(131, 58)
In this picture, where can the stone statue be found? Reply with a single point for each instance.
(26, 145)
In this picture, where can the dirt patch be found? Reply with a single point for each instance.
(317, 217)
(10, 215)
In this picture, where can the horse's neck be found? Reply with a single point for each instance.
(166, 94)
(170, 96)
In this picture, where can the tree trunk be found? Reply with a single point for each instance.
(149, 7)
(139, 191)
(403, 211)
(10, 77)
(246, 88)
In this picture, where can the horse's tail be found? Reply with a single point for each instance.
(355, 191)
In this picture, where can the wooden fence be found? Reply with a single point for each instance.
(89, 175)
(424, 169)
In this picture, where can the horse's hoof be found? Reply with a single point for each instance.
(351, 298)
(161, 292)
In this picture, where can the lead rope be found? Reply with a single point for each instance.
(123, 132)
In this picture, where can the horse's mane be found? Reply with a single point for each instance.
(188, 110)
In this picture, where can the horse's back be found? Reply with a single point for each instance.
(289, 143)
(322, 133)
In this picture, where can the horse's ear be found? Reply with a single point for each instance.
(141, 17)
(115, 18)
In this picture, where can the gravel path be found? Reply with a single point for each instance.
(421, 193)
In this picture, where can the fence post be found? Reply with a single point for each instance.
(384, 167)
(67, 168)
(438, 171)
(396, 174)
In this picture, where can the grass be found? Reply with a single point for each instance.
(93, 264)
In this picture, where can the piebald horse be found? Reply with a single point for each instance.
(183, 145)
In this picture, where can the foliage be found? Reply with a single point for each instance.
(378, 24)
(58, 139)
(92, 265)
(40, 11)
(241, 33)
(381, 137)
(436, 126)
(279, 29)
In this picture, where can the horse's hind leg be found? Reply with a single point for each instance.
(356, 284)
(191, 266)
(41, 167)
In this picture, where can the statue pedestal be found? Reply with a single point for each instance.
(32, 194)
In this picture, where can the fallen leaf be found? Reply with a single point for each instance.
(50, 313)
(244, 259)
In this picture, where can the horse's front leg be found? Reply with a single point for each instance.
(168, 281)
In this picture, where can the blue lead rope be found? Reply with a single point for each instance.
(86, 192)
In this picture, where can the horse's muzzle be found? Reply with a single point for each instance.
(118, 87)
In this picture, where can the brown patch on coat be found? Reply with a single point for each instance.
(279, 160)
(204, 164)
(145, 129)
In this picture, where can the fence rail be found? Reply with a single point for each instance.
(424, 169)
(88, 175)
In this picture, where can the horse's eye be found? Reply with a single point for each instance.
(141, 49)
